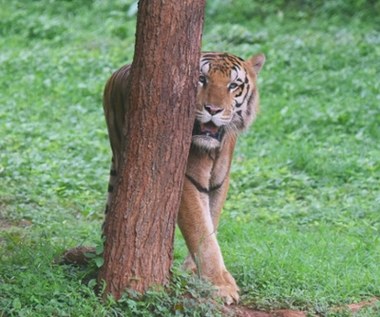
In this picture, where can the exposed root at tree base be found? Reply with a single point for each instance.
(76, 256)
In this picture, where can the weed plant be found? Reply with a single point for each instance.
(301, 226)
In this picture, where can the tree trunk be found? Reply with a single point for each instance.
(161, 92)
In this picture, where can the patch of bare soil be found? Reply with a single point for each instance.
(6, 224)
(241, 311)
(354, 308)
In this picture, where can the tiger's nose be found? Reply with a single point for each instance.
(212, 109)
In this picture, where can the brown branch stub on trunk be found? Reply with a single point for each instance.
(159, 115)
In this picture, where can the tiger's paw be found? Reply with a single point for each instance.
(227, 289)
(223, 282)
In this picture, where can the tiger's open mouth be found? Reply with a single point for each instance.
(208, 129)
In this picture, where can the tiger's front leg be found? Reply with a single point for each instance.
(198, 228)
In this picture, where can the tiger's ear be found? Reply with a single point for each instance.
(257, 62)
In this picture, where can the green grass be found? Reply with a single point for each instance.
(301, 227)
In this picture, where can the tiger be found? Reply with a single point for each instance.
(227, 103)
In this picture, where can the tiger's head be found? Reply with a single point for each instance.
(227, 99)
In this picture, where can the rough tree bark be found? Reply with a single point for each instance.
(140, 223)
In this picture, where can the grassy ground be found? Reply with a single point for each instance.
(301, 227)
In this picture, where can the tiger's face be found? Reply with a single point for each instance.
(227, 99)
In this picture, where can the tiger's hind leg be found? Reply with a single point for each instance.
(111, 186)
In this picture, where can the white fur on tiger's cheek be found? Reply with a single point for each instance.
(203, 116)
(243, 97)
(204, 67)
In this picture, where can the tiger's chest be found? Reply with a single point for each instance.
(209, 170)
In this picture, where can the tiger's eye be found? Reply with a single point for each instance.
(232, 86)
(202, 79)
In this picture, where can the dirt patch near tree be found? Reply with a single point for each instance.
(6, 224)
(241, 311)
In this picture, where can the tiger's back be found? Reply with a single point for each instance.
(114, 101)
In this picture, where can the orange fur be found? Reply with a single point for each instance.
(227, 103)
